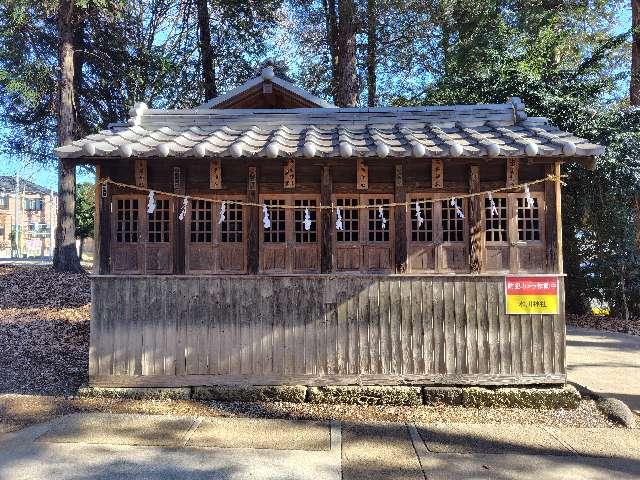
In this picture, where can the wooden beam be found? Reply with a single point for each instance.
(362, 175)
(290, 174)
(179, 247)
(553, 221)
(104, 226)
(437, 173)
(476, 230)
(140, 172)
(400, 195)
(326, 226)
(215, 174)
(512, 172)
(253, 217)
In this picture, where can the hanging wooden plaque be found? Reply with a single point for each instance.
(215, 175)
(178, 181)
(140, 172)
(437, 174)
(512, 172)
(399, 176)
(252, 181)
(362, 175)
(290, 174)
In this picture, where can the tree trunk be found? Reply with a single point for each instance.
(331, 20)
(65, 257)
(81, 249)
(623, 291)
(346, 78)
(206, 51)
(79, 46)
(372, 44)
(635, 53)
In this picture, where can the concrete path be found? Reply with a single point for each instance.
(607, 363)
(107, 446)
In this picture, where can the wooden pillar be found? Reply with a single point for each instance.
(103, 213)
(253, 217)
(475, 221)
(553, 221)
(400, 221)
(326, 221)
(512, 176)
(179, 245)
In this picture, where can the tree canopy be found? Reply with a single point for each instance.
(569, 61)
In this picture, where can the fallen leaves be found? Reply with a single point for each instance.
(611, 324)
(44, 330)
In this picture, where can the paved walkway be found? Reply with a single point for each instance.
(605, 362)
(108, 446)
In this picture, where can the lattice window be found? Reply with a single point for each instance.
(378, 231)
(201, 223)
(528, 220)
(452, 225)
(127, 223)
(159, 222)
(231, 228)
(350, 220)
(302, 235)
(424, 232)
(275, 234)
(496, 225)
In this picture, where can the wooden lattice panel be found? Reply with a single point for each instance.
(496, 226)
(528, 221)
(127, 220)
(452, 225)
(424, 232)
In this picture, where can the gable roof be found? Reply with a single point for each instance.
(267, 76)
(8, 185)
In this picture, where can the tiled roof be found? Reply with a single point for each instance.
(437, 131)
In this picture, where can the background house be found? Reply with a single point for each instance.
(34, 214)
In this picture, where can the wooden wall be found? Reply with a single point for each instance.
(317, 329)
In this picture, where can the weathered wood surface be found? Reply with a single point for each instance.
(178, 330)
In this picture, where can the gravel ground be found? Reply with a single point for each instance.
(17, 411)
(610, 324)
(44, 336)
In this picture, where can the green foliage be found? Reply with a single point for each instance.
(85, 208)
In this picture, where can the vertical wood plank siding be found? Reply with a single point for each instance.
(176, 330)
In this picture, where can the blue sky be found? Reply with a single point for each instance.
(47, 175)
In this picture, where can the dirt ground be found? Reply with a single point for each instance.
(44, 337)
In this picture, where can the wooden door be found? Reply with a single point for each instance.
(376, 231)
(496, 234)
(347, 241)
(160, 237)
(231, 233)
(453, 251)
(422, 235)
(273, 240)
(216, 244)
(304, 246)
(288, 245)
(200, 238)
(127, 234)
(527, 233)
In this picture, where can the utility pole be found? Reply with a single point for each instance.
(16, 216)
(52, 229)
